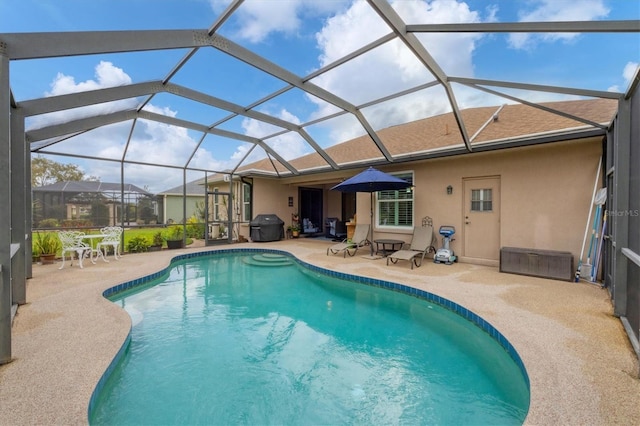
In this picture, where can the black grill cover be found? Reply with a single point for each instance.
(267, 227)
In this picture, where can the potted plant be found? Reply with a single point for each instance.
(35, 254)
(48, 245)
(294, 230)
(157, 241)
(138, 244)
(174, 237)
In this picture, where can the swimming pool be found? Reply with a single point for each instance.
(222, 338)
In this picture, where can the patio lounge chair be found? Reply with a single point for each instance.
(421, 244)
(360, 238)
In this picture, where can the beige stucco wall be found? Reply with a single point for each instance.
(272, 196)
(332, 203)
(545, 194)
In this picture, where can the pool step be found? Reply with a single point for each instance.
(267, 259)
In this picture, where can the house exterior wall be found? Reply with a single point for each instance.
(545, 193)
(173, 207)
(332, 203)
(271, 196)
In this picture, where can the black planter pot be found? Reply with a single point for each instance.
(174, 244)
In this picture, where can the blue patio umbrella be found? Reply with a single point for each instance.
(372, 180)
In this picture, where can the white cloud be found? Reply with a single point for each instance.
(441, 46)
(288, 145)
(106, 75)
(343, 32)
(348, 26)
(628, 73)
(151, 142)
(348, 29)
(360, 81)
(556, 10)
(257, 19)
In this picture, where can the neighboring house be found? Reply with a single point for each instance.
(528, 182)
(171, 206)
(219, 209)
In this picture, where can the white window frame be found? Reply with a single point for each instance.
(216, 204)
(246, 202)
(378, 202)
(482, 192)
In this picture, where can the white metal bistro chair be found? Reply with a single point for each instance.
(72, 243)
(111, 238)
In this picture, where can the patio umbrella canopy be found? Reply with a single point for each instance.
(371, 180)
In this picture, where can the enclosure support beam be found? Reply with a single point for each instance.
(5, 208)
(621, 155)
(28, 204)
(20, 187)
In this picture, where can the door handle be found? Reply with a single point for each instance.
(467, 222)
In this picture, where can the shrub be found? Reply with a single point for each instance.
(195, 229)
(138, 244)
(173, 233)
(158, 240)
(76, 223)
(49, 223)
(47, 243)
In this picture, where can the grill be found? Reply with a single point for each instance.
(267, 227)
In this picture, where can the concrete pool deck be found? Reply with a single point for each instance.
(582, 368)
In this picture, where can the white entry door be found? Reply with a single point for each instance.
(482, 218)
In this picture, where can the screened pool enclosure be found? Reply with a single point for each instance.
(207, 101)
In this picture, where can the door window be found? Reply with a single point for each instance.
(481, 200)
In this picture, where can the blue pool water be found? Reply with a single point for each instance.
(219, 340)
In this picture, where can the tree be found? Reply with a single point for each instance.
(145, 210)
(46, 172)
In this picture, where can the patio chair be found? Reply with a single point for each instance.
(360, 238)
(421, 244)
(72, 243)
(112, 238)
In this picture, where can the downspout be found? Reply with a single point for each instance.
(206, 209)
(230, 211)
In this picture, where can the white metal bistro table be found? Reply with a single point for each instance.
(94, 250)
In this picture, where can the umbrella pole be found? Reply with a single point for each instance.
(371, 222)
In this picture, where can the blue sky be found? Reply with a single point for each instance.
(302, 36)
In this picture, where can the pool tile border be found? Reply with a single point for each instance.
(401, 288)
